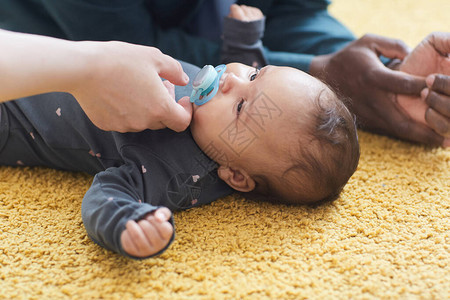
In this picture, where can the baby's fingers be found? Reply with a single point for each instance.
(149, 235)
(236, 12)
(134, 241)
(159, 221)
(154, 240)
(162, 214)
(252, 13)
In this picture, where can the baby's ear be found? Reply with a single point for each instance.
(237, 178)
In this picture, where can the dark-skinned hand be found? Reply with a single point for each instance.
(357, 72)
(432, 108)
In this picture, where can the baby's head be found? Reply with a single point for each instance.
(278, 134)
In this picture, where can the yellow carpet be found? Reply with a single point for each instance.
(388, 236)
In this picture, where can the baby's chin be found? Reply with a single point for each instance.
(198, 111)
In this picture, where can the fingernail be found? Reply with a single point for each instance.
(160, 216)
(424, 93)
(430, 80)
(185, 77)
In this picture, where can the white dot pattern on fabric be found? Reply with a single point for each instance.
(32, 135)
(195, 178)
(110, 199)
(58, 111)
(144, 170)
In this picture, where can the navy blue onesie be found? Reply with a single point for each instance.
(135, 172)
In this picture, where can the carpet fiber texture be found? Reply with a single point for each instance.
(388, 236)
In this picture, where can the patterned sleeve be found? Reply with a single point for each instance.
(242, 42)
(115, 196)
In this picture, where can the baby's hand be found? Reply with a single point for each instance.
(245, 13)
(149, 235)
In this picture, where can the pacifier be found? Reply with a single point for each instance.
(206, 84)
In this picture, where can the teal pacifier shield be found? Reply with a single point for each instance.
(206, 84)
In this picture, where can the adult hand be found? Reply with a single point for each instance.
(117, 84)
(123, 90)
(433, 106)
(149, 235)
(357, 72)
(437, 96)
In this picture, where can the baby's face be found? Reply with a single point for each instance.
(241, 125)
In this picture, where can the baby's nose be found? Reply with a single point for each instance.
(230, 82)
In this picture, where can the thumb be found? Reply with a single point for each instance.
(184, 102)
(396, 81)
(179, 115)
(170, 88)
(172, 70)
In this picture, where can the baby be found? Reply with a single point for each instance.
(276, 134)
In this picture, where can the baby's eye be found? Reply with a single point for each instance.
(239, 106)
(254, 74)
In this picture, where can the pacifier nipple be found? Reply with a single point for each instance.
(206, 84)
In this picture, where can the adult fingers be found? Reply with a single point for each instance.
(167, 112)
(391, 48)
(179, 115)
(396, 81)
(384, 78)
(438, 122)
(420, 133)
(439, 83)
(403, 127)
(439, 102)
(437, 96)
(170, 88)
(171, 69)
(186, 104)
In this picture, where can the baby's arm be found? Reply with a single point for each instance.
(242, 33)
(117, 218)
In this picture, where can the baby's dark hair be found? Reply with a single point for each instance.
(325, 159)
